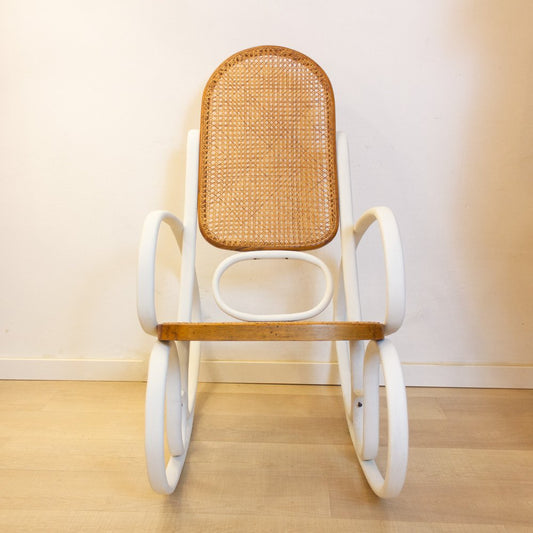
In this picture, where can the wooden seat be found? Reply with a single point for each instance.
(270, 331)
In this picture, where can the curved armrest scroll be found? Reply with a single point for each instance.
(394, 269)
(146, 269)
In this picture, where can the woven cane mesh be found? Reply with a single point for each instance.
(267, 153)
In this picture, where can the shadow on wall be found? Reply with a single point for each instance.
(494, 203)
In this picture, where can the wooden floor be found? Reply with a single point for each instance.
(264, 458)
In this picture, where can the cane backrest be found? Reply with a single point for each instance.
(267, 169)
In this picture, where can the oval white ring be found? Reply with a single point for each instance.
(272, 254)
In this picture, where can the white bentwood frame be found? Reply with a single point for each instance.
(174, 366)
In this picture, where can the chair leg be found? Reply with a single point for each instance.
(364, 423)
(359, 377)
(167, 391)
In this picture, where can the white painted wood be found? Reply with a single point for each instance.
(360, 376)
(174, 367)
(146, 290)
(185, 235)
(273, 254)
(364, 425)
(394, 268)
(166, 400)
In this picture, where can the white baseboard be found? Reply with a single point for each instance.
(415, 374)
(73, 369)
(468, 375)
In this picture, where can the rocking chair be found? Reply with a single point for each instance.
(268, 176)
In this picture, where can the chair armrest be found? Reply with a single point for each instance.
(146, 267)
(394, 269)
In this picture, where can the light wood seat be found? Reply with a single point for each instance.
(270, 331)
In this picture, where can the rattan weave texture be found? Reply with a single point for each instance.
(267, 153)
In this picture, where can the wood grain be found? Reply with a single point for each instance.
(270, 331)
(264, 458)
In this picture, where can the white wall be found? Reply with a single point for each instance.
(95, 101)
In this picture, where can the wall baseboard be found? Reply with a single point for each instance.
(415, 374)
(73, 369)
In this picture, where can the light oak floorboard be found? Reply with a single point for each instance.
(264, 458)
